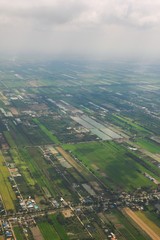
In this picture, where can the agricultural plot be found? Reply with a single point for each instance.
(52, 137)
(148, 222)
(48, 181)
(48, 231)
(110, 162)
(125, 228)
(19, 233)
(59, 228)
(149, 145)
(21, 164)
(66, 129)
(128, 125)
(9, 139)
(6, 191)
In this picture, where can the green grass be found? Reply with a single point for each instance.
(37, 166)
(149, 145)
(18, 233)
(153, 217)
(130, 124)
(149, 222)
(110, 163)
(48, 231)
(22, 165)
(9, 139)
(52, 137)
(6, 191)
(59, 228)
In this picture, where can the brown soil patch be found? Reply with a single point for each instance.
(141, 224)
(36, 233)
(95, 186)
(69, 159)
(95, 167)
(14, 111)
(67, 213)
(34, 83)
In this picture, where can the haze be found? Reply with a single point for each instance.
(94, 28)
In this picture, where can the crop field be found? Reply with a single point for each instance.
(109, 161)
(22, 166)
(59, 228)
(150, 223)
(52, 137)
(51, 228)
(6, 191)
(48, 231)
(18, 233)
(43, 174)
(35, 167)
(9, 139)
(149, 145)
(143, 223)
(125, 227)
(129, 125)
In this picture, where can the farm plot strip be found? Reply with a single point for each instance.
(6, 191)
(142, 224)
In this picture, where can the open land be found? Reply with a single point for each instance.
(79, 142)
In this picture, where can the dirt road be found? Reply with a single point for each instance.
(141, 224)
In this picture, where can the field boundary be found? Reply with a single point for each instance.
(141, 224)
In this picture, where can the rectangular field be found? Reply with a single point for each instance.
(6, 191)
(110, 162)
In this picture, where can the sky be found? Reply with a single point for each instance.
(84, 28)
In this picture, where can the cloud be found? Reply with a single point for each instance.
(93, 27)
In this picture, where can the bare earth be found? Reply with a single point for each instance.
(36, 233)
(14, 111)
(69, 159)
(141, 224)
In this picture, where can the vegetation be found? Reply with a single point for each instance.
(125, 227)
(149, 145)
(6, 191)
(109, 161)
(52, 137)
(48, 231)
(146, 220)
(18, 233)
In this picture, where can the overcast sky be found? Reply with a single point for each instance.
(89, 28)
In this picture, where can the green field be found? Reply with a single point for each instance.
(9, 139)
(23, 167)
(48, 231)
(59, 228)
(52, 229)
(154, 217)
(52, 137)
(110, 162)
(149, 222)
(6, 191)
(149, 145)
(129, 125)
(18, 233)
(125, 227)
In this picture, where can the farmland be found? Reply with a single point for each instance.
(149, 145)
(18, 233)
(7, 194)
(104, 159)
(125, 227)
(79, 142)
(48, 231)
